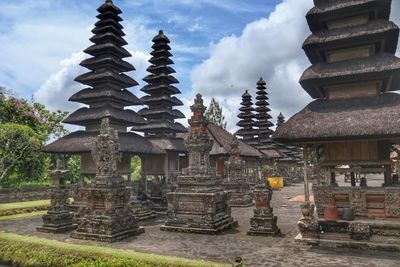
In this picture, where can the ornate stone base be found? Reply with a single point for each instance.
(106, 216)
(57, 222)
(108, 237)
(266, 226)
(142, 210)
(362, 234)
(202, 213)
(240, 194)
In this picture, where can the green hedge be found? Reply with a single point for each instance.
(34, 251)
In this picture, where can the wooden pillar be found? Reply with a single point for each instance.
(353, 179)
(306, 186)
(388, 175)
(333, 178)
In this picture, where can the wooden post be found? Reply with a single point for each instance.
(353, 179)
(306, 187)
(333, 178)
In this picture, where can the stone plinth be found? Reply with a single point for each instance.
(107, 217)
(199, 205)
(263, 222)
(142, 210)
(58, 219)
(235, 182)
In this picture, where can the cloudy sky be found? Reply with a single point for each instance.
(220, 47)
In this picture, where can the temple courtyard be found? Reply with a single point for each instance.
(255, 250)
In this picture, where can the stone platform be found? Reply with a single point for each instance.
(265, 226)
(363, 234)
(108, 237)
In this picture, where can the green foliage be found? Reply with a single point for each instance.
(214, 114)
(136, 168)
(17, 144)
(73, 165)
(25, 128)
(34, 251)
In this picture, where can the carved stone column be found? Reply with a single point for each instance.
(263, 222)
(58, 219)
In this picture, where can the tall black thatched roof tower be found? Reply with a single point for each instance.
(106, 95)
(160, 112)
(246, 123)
(280, 120)
(263, 118)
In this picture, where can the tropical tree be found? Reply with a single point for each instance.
(25, 129)
(214, 114)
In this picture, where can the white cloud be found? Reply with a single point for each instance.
(269, 47)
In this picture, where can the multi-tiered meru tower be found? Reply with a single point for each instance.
(199, 205)
(353, 121)
(106, 96)
(246, 123)
(264, 124)
(160, 112)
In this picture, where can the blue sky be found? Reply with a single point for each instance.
(220, 47)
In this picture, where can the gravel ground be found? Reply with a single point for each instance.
(255, 250)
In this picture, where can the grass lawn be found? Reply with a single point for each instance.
(22, 215)
(34, 251)
(25, 204)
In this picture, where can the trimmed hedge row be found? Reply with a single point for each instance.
(34, 251)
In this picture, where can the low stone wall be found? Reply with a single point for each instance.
(24, 194)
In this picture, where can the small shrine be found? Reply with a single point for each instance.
(107, 216)
(235, 182)
(199, 204)
(58, 218)
(263, 222)
(353, 122)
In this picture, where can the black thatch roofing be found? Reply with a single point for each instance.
(84, 116)
(90, 95)
(160, 127)
(341, 119)
(382, 66)
(81, 141)
(168, 143)
(325, 10)
(107, 62)
(222, 143)
(384, 34)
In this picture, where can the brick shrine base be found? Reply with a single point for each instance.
(255, 250)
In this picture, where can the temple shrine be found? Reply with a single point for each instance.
(199, 204)
(353, 121)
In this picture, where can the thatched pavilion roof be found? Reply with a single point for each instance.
(80, 142)
(381, 66)
(384, 34)
(324, 10)
(222, 143)
(344, 119)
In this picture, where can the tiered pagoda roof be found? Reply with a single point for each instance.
(264, 124)
(280, 120)
(160, 113)
(107, 94)
(351, 49)
(247, 123)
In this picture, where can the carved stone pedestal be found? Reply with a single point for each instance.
(308, 225)
(199, 205)
(58, 219)
(107, 217)
(263, 222)
(240, 194)
(142, 210)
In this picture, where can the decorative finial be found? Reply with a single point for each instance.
(160, 32)
(109, 1)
